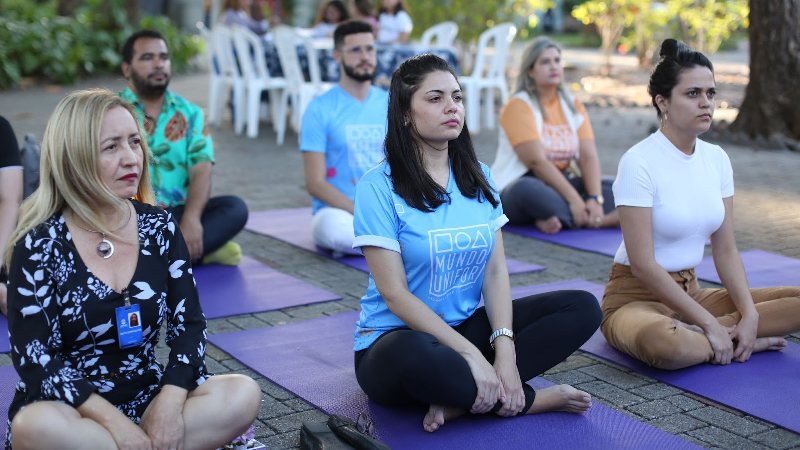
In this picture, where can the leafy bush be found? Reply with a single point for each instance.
(37, 43)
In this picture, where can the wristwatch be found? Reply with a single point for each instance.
(598, 198)
(501, 332)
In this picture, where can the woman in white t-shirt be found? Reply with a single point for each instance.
(394, 23)
(674, 191)
(428, 220)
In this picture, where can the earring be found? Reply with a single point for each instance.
(664, 120)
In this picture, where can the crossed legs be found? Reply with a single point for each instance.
(217, 411)
(655, 334)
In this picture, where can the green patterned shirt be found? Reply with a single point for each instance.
(177, 141)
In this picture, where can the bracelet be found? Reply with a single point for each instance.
(501, 332)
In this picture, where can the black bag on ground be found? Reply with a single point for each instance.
(348, 431)
(317, 436)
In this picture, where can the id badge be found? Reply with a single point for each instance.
(129, 326)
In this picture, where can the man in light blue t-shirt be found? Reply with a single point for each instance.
(342, 135)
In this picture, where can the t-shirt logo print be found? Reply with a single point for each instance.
(364, 147)
(458, 257)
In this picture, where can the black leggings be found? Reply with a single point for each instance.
(406, 367)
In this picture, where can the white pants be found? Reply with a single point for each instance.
(332, 228)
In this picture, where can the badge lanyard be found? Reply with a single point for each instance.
(129, 322)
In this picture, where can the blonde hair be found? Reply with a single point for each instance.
(525, 83)
(69, 173)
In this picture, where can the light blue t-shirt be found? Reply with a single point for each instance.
(444, 252)
(349, 132)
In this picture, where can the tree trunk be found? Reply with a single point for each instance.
(66, 7)
(770, 111)
(132, 10)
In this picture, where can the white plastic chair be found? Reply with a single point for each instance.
(225, 73)
(250, 54)
(443, 33)
(298, 89)
(488, 74)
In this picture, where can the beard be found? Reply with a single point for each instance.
(145, 88)
(358, 76)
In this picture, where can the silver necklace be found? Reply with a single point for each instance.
(105, 248)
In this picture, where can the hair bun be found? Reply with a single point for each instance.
(669, 48)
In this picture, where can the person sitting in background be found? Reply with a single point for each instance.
(394, 23)
(547, 169)
(90, 251)
(10, 195)
(364, 10)
(674, 192)
(183, 153)
(330, 15)
(237, 12)
(341, 137)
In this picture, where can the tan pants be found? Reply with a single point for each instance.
(637, 323)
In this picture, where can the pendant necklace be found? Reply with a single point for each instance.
(105, 248)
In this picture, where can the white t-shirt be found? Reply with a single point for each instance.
(444, 252)
(390, 26)
(684, 192)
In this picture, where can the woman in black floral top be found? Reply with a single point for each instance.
(79, 267)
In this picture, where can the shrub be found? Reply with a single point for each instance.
(37, 43)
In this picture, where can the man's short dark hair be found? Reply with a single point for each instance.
(127, 49)
(347, 28)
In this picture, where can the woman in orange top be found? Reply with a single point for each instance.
(546, 166)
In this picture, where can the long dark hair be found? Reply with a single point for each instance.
(404, 152)
(675, 58)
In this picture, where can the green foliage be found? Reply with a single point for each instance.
(38, 43)
(705, 24)
(649, 29)
(28, 10)
(473, 17)
(611, 17)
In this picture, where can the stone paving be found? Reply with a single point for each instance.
(767, 217)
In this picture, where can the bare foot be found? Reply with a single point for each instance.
(438, 414)
(549, 226)
(766, 344)
(694, 328)
(562, 397)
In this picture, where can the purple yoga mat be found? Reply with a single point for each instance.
(763, 269)
(252, 287)
(8, 381)
(314, 360)
(5, 346)
(294, 227)
(765, 387)
(605, 241)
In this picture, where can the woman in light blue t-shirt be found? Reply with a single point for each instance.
(428, 220)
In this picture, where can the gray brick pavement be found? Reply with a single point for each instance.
(767, 216)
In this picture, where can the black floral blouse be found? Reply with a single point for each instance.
(62, 326)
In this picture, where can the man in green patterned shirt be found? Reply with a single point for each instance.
(182, 153)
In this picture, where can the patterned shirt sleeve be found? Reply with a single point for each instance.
(33, 321)
(201, 148)
(186, 324)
